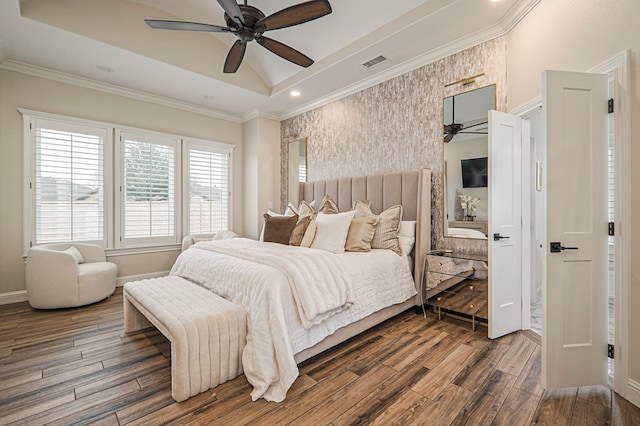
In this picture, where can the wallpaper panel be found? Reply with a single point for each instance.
(396, 125)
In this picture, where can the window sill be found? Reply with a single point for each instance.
(126, 251)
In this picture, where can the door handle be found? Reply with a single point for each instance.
(498, 237)
(557, 247)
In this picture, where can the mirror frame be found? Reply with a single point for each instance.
(293, 186)
(445, 221)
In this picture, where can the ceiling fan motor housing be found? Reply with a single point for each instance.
(246, 32)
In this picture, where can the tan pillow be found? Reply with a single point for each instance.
(361, 233)
(278, 229)
(386, 236)
(309, 234)
(299, 230)
(305, 209)
(328, 206)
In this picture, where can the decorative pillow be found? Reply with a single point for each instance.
(278, 229)
(288, 213)
(328, 206)
(305, 209)
(407, 236)
(362, 209)
(361, 233)
(200, 239)
(299, 231)
(309, 234)
(331, 231)
(73, 251)
(386, 236)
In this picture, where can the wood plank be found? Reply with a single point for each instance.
(483, 408)
(592, 406)
(556, 407)
(444, 408)
(34, 408)
(517, 356)
(438, 379)
(518, 409)
(530, 379)
(346, 397)
(623, 412)
(476, 371)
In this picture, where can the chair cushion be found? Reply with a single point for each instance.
(96, 281)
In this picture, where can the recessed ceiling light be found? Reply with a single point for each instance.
(295, 93)
(495, 1)
(209, 97)
(105, 68)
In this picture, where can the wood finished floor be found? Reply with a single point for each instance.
(76, 366)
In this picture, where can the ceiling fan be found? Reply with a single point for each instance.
(248, 24)
(450, 130)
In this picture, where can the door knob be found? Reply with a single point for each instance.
(498, 237)
(557, 247)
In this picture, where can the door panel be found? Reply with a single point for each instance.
(505, 219)
(575, 289)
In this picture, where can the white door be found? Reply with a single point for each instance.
(574, 334)
(505, 224)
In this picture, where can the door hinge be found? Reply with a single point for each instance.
(610, 351)
(610, 106)
(612, 229)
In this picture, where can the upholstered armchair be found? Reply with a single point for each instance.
(68, 275)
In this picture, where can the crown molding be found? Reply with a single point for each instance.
(403, 68)
(256, 113)
(114, 90)
(516, 13)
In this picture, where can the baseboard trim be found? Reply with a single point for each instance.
(633, 392)
(13, 297)
(120, 281)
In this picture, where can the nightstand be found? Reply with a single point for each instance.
(457, 284)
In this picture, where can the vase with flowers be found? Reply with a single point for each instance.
(469, 205)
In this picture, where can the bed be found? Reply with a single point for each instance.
(284, 328)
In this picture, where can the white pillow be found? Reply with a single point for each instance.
(73, 251)
(407, 236)
(331, 231)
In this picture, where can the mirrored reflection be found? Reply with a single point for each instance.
(466, 177)
(297, 167)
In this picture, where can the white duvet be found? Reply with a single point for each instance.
(279, 323)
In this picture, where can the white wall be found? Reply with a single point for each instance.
(23, 91)
(577, 35)
(261, 171)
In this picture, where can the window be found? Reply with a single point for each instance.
(67, 182)
(208, 187)
(148, 189)
(120, 187)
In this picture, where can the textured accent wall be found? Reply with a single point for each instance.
(396, 125)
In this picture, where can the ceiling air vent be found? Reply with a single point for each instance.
(374, 61)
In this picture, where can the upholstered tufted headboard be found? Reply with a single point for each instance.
(411, 189)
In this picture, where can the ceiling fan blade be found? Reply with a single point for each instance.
(234, 57)
(474, 133)
(185, 26)
(232, 9)
(476, 124)
(285, 52)
(448, 138)
(294, 15)
(448, 128)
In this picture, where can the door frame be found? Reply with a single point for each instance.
(618, 66)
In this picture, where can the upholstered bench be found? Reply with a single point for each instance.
(207, 332)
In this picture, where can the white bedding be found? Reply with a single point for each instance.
(276, 331)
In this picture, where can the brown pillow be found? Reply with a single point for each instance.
(328, 206)
(361, 233)
(299, 230)
(278, 229)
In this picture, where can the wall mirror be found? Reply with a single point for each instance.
(465, 162)
(297, 168)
